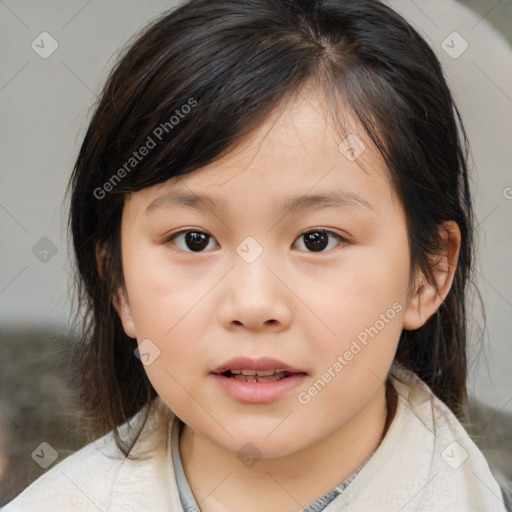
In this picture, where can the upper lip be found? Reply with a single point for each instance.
(262, 363)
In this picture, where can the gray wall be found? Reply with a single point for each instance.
(44, 110)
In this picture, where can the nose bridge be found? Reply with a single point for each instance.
(250, 250)
(250, 262)
(254, 295)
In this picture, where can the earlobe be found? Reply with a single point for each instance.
(425, 300)
(122, 306)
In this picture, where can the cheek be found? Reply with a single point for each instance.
(170, 321)
(165, 307)
(360, 312)
(355, 297)
(161, 293)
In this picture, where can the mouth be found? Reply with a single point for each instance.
(248, 369)
(259, 386)
(258, 380)
(258, 375)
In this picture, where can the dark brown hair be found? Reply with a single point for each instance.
(234, 62)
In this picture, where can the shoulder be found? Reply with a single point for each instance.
(458, 471)
(87, 472)
(91, 478)
(426, 461)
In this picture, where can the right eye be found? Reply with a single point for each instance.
(194, 240)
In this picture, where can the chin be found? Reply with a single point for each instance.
(263, 442)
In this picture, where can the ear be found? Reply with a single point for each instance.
(120, 298)
(122, 306)
(425, 301)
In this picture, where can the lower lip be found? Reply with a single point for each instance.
(258, 391)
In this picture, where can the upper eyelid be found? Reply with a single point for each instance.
(194, 230)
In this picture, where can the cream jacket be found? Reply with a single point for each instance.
(426, 462)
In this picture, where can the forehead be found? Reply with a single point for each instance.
(298, 149)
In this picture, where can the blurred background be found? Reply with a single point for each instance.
(46, 92)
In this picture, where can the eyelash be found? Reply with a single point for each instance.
(315, 230)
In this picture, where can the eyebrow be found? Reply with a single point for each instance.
(340, 199)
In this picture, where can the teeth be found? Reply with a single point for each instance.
(264, 373)
(247, 375)
(261, 373)
(258, 378)
(257, 375)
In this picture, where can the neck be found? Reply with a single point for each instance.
(219, 482)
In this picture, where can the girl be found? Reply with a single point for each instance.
(273, 231)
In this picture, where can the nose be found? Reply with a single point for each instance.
(255, 298)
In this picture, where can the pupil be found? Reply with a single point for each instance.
(192, 237)
(316, 240)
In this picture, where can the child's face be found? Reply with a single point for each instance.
(333, 310)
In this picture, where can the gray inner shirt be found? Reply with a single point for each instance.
(188, 501)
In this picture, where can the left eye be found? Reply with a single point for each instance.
(317, 239)
(196, 241)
